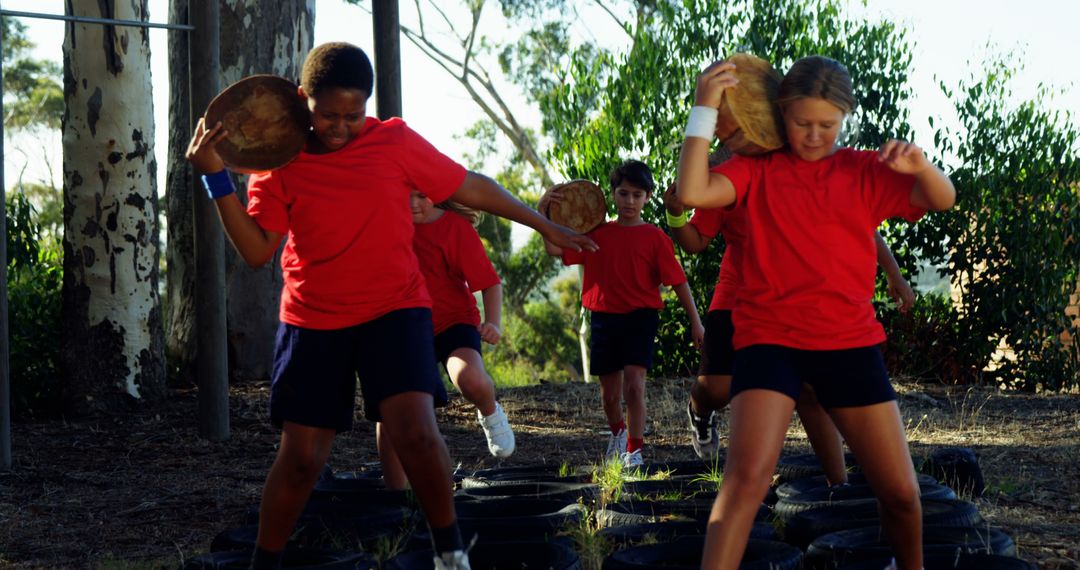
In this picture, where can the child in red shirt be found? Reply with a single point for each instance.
(455, 265)
(353, 302)
(803, 313)
(712, 391)
(621, 288)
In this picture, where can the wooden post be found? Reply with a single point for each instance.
(5, 351)
(211, 360)
(384, 14)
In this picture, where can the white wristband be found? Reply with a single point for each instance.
(702, 122)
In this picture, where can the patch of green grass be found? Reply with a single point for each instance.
(592, 548)
(511, 375)
(714, 475)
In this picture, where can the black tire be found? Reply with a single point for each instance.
(293, 559)
(630, 535)
(332, 530)
(669, 489)
(510, 520)
(479, 482)
(802, 528)
(692, 468)
(357, 491)
(684, 553)
(958, 468)
(805, 484)
(570, 492)
(849, 546)
(852, 495)
(805, 465)
(512, 473)
(554, 555)
(643, 512)
(954, 561)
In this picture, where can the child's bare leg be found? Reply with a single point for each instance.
(466, 369)
(409, 418)
(876, 434)
(297, 467)
(611, 395)
(823, 436)
(634, 392)
(393, 474)
(759, 422)
(710, 393)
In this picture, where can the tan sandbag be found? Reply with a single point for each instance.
(267, 121)
(749, 122)
(582, 208)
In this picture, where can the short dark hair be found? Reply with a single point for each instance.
(635, 172)
(336, 64)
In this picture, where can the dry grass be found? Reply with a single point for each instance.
(142, 491)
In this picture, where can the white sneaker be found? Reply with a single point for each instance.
(704, 436)
(616, 445)
(456, 560)
(630, 460)
(500, 438)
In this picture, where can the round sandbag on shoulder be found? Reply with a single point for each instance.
(266, 120)
(582, 207)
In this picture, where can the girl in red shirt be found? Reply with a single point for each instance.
(455, 265)
(621, 289)
(803, 312)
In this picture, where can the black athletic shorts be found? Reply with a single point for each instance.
(718, 356)
(840, 378)
(456, 336)
(622, 339)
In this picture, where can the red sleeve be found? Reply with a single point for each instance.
(740, 171)
(671, 273)
(887, 193)
(267, 202)
(571, 257)
(708, 221)
(470, 258)
(429, 171)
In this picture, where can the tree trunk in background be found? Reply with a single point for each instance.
(113, 345)
(257, 36)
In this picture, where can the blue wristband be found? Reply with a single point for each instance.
(218, 184)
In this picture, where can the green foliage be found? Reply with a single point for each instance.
(927, 342)
(1011, 243)
(34, 280)
(634, 105)
(32, 94)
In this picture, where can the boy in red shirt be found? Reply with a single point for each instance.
(353, 302)
(803, 313)
(455, 265)
(621, 288)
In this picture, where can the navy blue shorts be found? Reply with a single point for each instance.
(841, 378)
(622, 339)
(315, 371)
(457, 336)
(718, 356)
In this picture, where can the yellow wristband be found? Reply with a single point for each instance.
(679, 221)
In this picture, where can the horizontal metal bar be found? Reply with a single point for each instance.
(92, 20)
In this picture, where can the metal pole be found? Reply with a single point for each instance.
(5, 351)
(92, 20)
(384, 14)
(211, 357)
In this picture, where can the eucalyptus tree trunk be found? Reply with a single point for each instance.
(113, 350)
(257, 36)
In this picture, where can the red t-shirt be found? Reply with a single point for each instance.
(711, 222)
(455, 265)
(807, 277)
(349, 254)
(627, 272)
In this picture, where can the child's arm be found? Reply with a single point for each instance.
(686, 299)
(251, 241)
(686, 235)
(553, 195)
(933, 190)
(491, 329)
(697, 187)
(899, 289)
(482, 193)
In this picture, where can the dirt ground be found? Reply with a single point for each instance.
(143, 491)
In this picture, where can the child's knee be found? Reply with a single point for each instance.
(303, 466)
(900, 496)
(635, 392)
(472, 382)
(415, 439)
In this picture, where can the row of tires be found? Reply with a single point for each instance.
(521, 516)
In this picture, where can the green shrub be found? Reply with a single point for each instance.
(35, 275)
(926, 343)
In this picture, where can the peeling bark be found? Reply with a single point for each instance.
(113, 354)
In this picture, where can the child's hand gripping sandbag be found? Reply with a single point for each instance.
(578, 205)
(266, 120)
(749, 121)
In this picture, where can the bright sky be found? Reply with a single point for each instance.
(947, 36)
